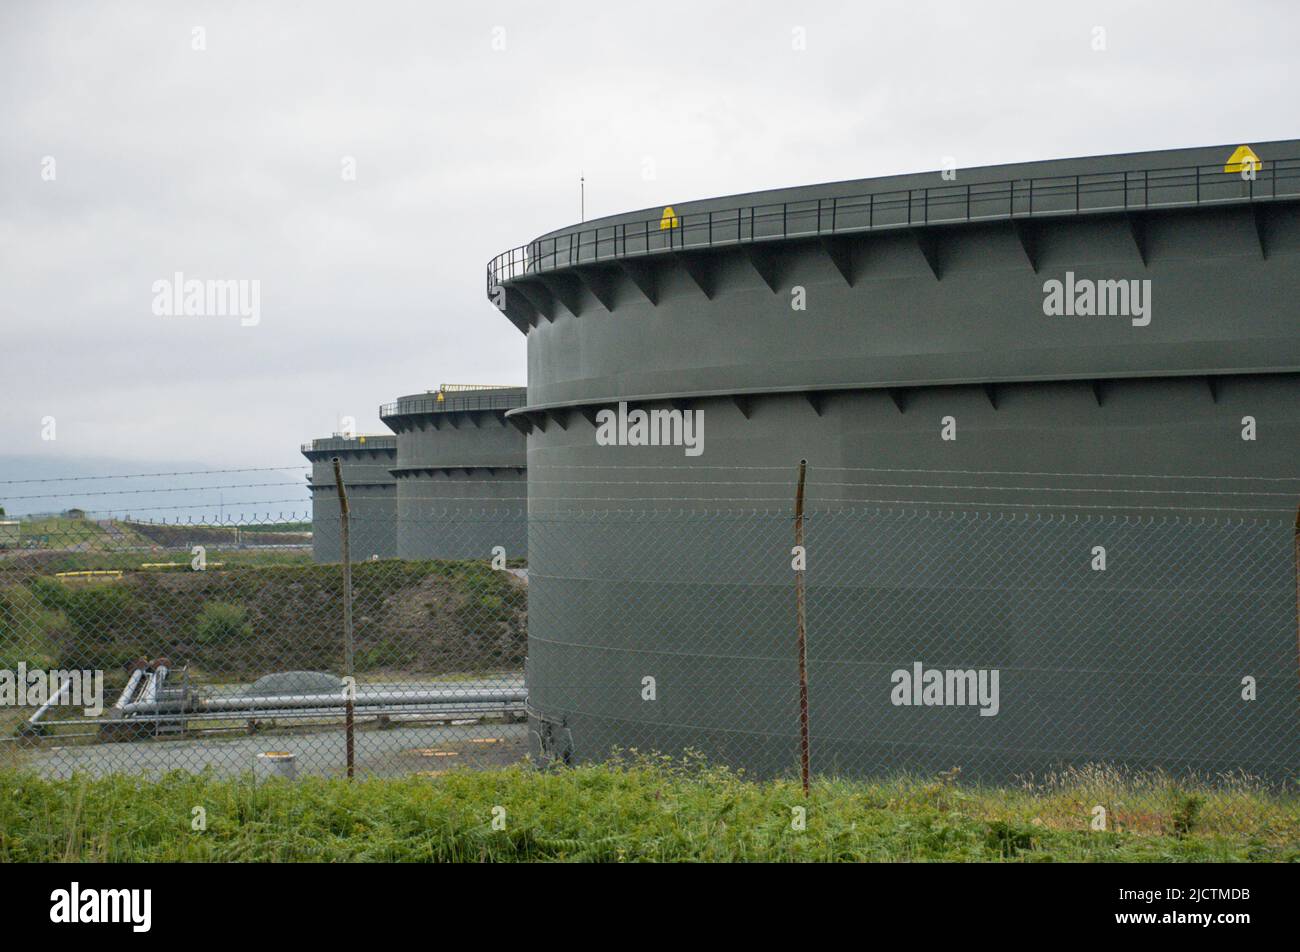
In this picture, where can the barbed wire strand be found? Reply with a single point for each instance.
(195, 472)
(158, 489)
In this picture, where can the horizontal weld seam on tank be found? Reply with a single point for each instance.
(945, 382)
(724, 483)
(905, 502)
(754, 732)
(653, 651)
(1206, 673)
(915, 469)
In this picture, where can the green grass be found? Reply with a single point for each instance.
(637, 810)
(56, 532)
(64, 531)
(29, 632)
(272, 528)
(80, 544)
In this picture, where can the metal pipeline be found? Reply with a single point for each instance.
(237, 703)
(53, 700)
(154, 685)
(129, 691)
(439, 712)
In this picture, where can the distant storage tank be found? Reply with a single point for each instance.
(460, 471)
(844, 324)
(366, 463)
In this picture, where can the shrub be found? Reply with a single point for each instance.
(1186, 813)
(222, 622)
(386, 654)
(104, 621)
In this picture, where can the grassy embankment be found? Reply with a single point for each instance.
(637, 810)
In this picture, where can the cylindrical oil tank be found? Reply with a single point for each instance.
(460, 472)
(976, 425)
(366, 463)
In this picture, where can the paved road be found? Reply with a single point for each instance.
(400, 750)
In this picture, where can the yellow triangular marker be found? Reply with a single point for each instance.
(669, 219)
(1244, 158)
(361, 439)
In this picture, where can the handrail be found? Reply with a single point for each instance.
(378, 441)
(1084, 193)
(463, 387)
(455, 402)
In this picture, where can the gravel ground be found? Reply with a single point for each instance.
(401, 749)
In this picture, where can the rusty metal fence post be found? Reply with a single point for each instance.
(1297, 584)
(349, 682)
(801, 626)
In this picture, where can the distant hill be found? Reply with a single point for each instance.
(148, 492)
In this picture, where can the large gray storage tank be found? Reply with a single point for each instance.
(461, 472)
(843, 324)
(366, 463)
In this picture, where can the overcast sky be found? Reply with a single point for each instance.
(228, 162)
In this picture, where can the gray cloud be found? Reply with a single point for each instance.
(226, 164)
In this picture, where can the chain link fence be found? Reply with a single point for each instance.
(1004, 645)
(222, 647)
(1126, 656)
